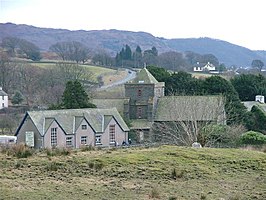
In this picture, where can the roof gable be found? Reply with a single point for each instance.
(69, 119)
(144, 77)
(2, 92)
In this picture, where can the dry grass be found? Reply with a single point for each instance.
(136, 173)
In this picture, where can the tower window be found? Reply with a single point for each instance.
(139, 93)
(139, 112)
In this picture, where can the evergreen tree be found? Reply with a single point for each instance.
(128, 53)
(17, 98)
(75, 96)
(235, 110)
(137, 56)
(249, 85)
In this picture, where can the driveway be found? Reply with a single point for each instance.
(130, 75)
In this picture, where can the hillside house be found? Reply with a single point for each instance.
(209, 67)
(145, 104)
(72, 128)
(3, 99)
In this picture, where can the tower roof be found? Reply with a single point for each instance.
(144, 76)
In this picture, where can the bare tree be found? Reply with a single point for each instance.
(179, 119)
(7, 70)
(10, 44)
(28, 78)
(71, 71)
(74, 51)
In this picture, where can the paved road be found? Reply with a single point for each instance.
(130, 75)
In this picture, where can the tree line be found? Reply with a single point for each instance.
(22, 48)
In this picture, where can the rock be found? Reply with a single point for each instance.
(196, 145)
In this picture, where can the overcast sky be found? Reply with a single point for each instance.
(240, 22)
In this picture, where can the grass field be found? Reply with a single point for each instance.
(166, 172)
(108, 75)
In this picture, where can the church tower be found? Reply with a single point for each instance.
(143, 93)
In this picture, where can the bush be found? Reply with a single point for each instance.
(58, 152)
(87, 148)
(155, 193)
(18, 150)
(254, 138)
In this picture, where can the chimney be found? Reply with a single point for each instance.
(259, 98)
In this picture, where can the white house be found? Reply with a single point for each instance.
(208, 67)
(3, 99)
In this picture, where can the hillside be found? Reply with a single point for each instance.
(113, 40)
(166, 172)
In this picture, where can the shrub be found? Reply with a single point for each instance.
(58, 152)
(96, 164)
(254, 138)
(18, 150)
(155, 193)
(87, 148)
(172, 198)
(52, 166)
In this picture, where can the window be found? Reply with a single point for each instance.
(53, 136)
(98, 139)
(69, 141)
(139, 112)
(112, 133)
(139, 93)
(83, 140)
(3, 105)
(84, 127)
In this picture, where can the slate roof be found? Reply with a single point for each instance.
(144, 77)
(110, 103)
(70, 119)
(141, 124)
(2, 92)
(189, 108)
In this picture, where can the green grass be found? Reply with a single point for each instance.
(136, 173)
(95, 70)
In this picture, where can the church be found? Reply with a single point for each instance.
(145, 104)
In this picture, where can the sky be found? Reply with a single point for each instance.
(240, 22)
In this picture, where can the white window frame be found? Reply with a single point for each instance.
(84, 140)
(112, 133)
(53, 137)
(98, 139)
(69, 141)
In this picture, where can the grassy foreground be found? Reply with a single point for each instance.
(166, 172)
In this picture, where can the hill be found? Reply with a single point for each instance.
(113, 40)
(166, 172)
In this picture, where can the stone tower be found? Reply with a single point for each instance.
(142, 94)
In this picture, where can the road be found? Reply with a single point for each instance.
(130, 75)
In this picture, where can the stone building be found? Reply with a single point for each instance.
(145, 104)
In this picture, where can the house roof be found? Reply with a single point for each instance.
(144, 77)
(141, 124)
(250, 104)
(2, 92)
(70, 119)
(190, 108)
(110, 103)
